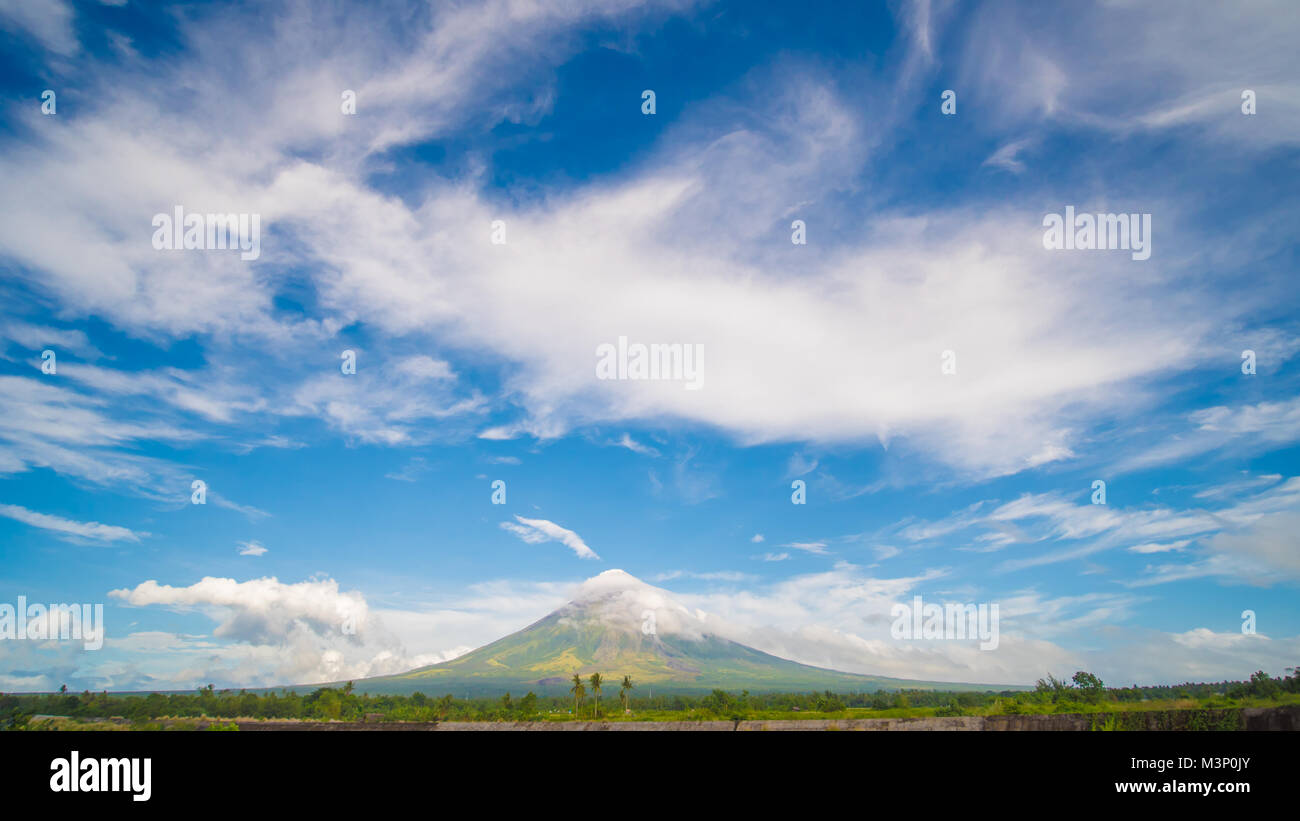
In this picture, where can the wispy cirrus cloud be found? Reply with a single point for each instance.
(1007, 156)
(93, 531)
(414, 468)
(537, 531)
(815, 548)
(1066, 337)
(252, 548)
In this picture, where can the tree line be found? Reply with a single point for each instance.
(345, 704)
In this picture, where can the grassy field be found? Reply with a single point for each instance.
(1008, 706)
(208, 707)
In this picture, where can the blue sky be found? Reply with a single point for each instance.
(370, 493)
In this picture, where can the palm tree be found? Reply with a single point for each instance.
(579, 692)
(595, 689)
(624, 691)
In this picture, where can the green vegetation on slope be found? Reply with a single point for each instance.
(543, 657)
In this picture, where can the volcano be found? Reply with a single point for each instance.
(618, 625)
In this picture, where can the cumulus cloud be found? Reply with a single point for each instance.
(276, 632)
(259, 609)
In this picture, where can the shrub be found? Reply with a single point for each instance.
(1010, 707)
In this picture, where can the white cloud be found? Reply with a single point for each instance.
(249, 511)
(1006, 157)
(260, 609)
(1235, 487)
(49, 22)
(385, 405)
(414, 468)
(1159, 547)
(800, 465)
(1244, 428)
(251, 548)
(840, 619)
(1262, 551)
(90, 436)
(885, 551)
(1244, 538)
(212, 396)
(278, 633)
(69, 527)
(39, 338)
(536, 531)
(423, 368)
(626, 441)
(715, 576)
(816, 548)
(1182, 67)
(972, 280)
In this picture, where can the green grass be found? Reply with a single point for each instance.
(999, 707)
(1190, 706)
(1219, 714)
